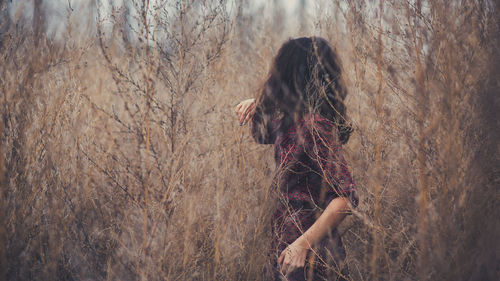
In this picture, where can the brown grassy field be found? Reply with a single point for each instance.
(121, 157)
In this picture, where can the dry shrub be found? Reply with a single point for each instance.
(121, 158)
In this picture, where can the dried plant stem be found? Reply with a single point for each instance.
(422, 136)
(378, 147)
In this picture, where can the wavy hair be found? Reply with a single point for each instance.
(305, 77)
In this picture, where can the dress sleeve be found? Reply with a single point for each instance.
(322, 146)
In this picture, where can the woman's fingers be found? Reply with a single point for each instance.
(250, 108)
(249, 112)
(242, 116)
(239, 112)
(285, 268)
(246, 115)
(280, 259)
(247, 118)
(245, 110)
(239, 108)
(286, 263)
(292, 266)
(281, 263)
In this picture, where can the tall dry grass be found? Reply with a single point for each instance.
(121, 158)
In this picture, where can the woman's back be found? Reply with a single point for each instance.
(311, 171)
(312, 180)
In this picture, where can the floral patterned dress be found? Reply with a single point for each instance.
(311, 171)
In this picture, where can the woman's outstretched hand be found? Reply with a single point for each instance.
(245, 110)
(293, 257)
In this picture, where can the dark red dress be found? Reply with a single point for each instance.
(311, 171)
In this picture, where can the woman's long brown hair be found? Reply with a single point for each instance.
(305, 77)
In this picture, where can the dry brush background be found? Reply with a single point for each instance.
(121, 158)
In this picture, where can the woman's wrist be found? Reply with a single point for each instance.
(329, 219)
(303, 242)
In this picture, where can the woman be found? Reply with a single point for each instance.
(301, 111)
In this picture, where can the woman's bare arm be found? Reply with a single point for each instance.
(294, 255)
(331, 217)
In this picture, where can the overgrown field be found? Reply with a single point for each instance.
(121, 157)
